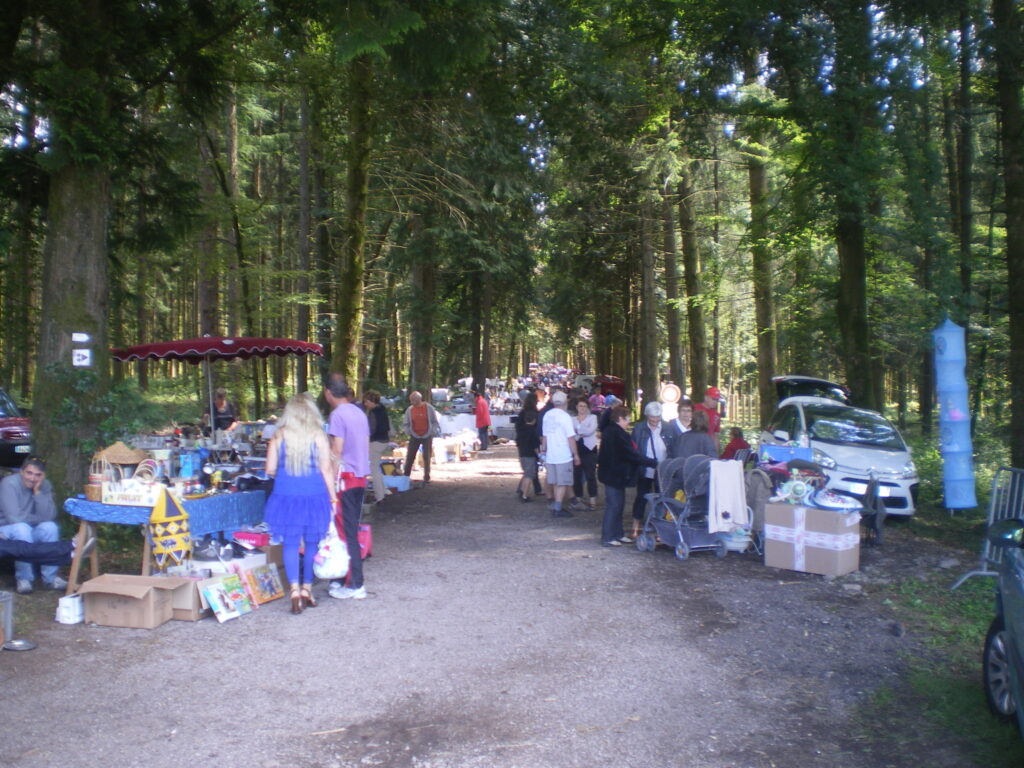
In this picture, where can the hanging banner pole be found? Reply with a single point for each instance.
(954, 416)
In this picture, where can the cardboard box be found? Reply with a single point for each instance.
(275, 554)
(811, 540)
(142, 602)
(187, 604)
(256, 539)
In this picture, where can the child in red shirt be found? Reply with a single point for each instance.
(736, 443)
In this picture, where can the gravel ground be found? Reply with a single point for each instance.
(494, 635)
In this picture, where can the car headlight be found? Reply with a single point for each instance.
(909, 470)
(823, 459)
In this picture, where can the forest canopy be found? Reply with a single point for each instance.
(676, 190)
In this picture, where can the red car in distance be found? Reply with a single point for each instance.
(15, 432)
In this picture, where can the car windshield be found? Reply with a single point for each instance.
(7, 406)
(835, 424)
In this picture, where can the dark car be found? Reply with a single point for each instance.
(15, 432)
(1003, 661)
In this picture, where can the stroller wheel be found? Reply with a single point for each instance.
(721, 549)
(682, 551)
(645, 542)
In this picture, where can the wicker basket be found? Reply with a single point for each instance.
(94, 492)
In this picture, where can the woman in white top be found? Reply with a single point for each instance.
(585, 425)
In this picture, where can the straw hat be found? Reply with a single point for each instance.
(119, 453)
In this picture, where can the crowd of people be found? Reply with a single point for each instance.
(578, 452)
(580, 439)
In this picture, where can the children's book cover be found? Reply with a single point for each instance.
(233, 586)
(220, 601)
(264, 583)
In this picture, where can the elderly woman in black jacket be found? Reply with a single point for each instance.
(618, 464)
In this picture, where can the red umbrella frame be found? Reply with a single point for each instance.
(217, 347)
(209, 348)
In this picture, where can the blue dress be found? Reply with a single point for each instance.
(298, 503)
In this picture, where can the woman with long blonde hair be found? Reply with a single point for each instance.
(300, 506)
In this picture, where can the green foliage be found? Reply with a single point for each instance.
(119, 413)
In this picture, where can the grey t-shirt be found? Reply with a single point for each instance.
(19, 505)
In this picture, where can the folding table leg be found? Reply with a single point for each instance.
(147, 550)
(76, 561)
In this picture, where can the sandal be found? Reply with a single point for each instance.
(296, 600)
(308, 601)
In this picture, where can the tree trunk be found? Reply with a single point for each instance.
(926, 368)
(394, 332)
(142, 312)
(421, 323)
(676, 364)
(761, 258)
(965, 166)
(350, 290)
(476, 366)
(486, 324)
(75, 299)
(853, 308)
(692, 280)
(20, 336)
(649, 310)
(304, 234)
(1008, 41)
(207, 252)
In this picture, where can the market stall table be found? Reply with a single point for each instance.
(209, 514)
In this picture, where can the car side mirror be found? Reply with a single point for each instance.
(1006, 533)
(781, 434)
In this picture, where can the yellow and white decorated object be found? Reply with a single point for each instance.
(169, 531)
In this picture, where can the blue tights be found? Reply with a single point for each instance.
(290, 551)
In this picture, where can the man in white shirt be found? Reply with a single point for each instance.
(558, 444)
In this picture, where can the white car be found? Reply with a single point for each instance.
(851, 445)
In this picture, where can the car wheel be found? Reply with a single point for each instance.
(996, 667)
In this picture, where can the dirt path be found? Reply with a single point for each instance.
(493, 636)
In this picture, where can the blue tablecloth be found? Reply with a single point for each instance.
(211, 514)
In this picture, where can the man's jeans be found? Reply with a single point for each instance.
(45, 553)
(351, 511)
(24, 532)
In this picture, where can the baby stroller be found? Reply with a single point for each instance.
(682, 525)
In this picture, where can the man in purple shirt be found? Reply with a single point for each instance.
(350, 443)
